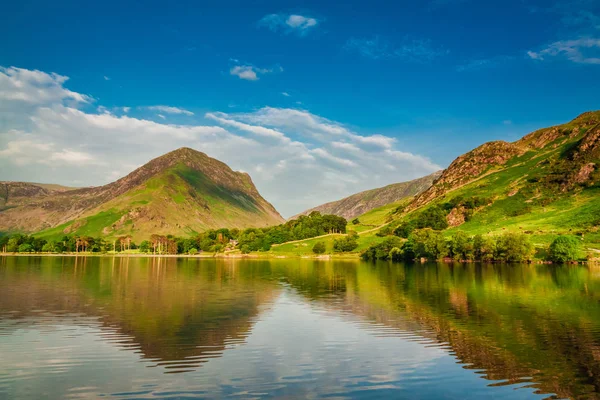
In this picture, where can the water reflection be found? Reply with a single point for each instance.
(85, 327)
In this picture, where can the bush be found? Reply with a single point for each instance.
(355, 221)
(427, 243)
(385, 231)
(193, 251)
(245, 249)
(564, 249)
(384, 250)
(345, 244)
(513, 247)
(319, 248)
(25, 248)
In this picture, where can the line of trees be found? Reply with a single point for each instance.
(432, 245)
(214, 240)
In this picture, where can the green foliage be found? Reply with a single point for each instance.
(319, 248)
(355, 221)
(513, 247)
(25, 248)
(385, 231)
(564, 249)
(193, 251)
(484, 248)
(345, 244)
(427, 243)
(145, 246)
(462, 246)
(383, 250)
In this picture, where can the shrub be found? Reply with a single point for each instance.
(25, 248)
(345, 244)
(513, 247)
(355, 221)
(564, 249)
(385, 231)
(245, 249)
(484, 248)
(383, 250)
(427, 243)
(193, 251)
(319, 248)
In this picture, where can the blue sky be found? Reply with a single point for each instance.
(437, 78)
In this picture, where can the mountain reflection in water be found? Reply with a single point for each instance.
(75, 327)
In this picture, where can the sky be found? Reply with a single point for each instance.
(315, 100)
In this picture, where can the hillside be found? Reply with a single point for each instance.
(546, 183)
(181, 192)
(360, 203)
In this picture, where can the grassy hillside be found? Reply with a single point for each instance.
(180, 193)
(361, 203)
(546, 184)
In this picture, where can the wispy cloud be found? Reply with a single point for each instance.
(483, 63)
(289, 23)
(584, 50)
(106, 78)
(411, 49)
(169, 110)
(297, 159)
(250, 72)
(286, 94)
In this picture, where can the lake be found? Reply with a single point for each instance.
(152, 328)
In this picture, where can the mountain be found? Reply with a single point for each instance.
(181, 192)
(548, 182)
(359, 203)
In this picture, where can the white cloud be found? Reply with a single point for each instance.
(126, 109)
(106, 78)
(162, 116)
(170, 110)
(289, 23)
(297, 159)
(300, 22)
(34, 87)
(584, 50)
(250, 73)
(286, 94)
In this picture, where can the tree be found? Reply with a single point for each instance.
(355, 221)
(345, 244)
(384, 250)
(513, 247)
(25, 248)
(461, 246)
(564, 249)
(427, 243)
(484, 248)
(145, 246)
(319, 248)
(13, 245)
(48, 247)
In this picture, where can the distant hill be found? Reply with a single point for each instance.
(181, 192)
(360, 203)
(548, 182)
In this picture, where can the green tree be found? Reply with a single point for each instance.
(484, 248)
(25, 248)
(564, 249)
(427, 243)
(345, 244)
(319, 248)
(461, 246)
(48, 247)
(514, 247)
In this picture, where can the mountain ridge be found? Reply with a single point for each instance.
(155, 195)
(359, 203)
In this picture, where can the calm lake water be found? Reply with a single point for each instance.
(150, 328)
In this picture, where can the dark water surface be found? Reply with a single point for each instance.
(150, 328)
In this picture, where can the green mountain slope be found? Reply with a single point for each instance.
(546, 183)
(179, 193)
(360, 203)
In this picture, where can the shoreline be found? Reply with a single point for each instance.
(206, 256)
